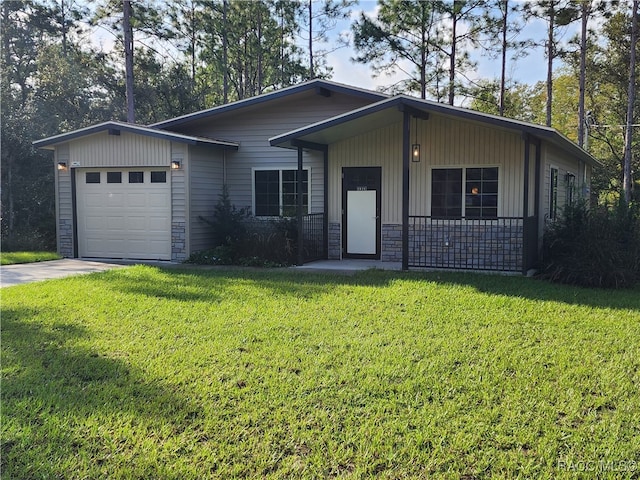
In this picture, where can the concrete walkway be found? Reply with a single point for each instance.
(34, 272)
(349, 265)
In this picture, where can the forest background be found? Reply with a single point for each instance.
(562, 63)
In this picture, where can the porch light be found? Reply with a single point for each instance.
(415, 148)
(415, 152)
(62, 166)
(176, 164)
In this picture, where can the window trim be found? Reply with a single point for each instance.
(553, 195)
(464, 168)
(279, 168)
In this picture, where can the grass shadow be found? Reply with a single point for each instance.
(305, 284)
(54, 391)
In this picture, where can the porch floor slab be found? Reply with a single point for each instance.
(349, 265)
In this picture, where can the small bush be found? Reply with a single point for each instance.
(242, 240)
(595, 247)
(228, 222)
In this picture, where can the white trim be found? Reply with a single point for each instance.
(280, 169)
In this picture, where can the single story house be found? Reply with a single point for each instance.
(391, 178)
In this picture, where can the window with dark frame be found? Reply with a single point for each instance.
(480, 193)
(159, 177)
(446, 192)
(114, 177)
(136, 177)
(276, 192)
(92, 177)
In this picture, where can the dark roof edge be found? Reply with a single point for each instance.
(337, 120)
(539, 131)
(265, 97)
(132, 128)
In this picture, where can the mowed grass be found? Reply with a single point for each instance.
(149, 373)
(11, 258)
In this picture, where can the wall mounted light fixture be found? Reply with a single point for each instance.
(415, 148)
(176, 164)
(62, 166)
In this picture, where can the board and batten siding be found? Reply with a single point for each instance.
(445, 142)
(252, 127)
(64, 202)
(206, 170)
(553, 157)
(124, 150)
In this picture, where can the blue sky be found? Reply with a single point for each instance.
(529, 69)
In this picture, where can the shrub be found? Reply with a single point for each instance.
(228, 222)
(271, 241)
(596, 247)
(242, 240)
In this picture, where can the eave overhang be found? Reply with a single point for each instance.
(390, 111)
(114, 128)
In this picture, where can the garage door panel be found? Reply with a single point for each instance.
(137, 200)
(123, 220)
(93, 199)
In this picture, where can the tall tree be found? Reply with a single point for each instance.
(504, 23)
(556, 13)
(461, 13)
(320, 17)
(631, 99)
(404, 37)
(128, 59)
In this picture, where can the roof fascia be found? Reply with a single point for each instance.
(322, 87)
(113, 127)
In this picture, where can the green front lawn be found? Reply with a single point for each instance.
(148, 373)
(10, 258)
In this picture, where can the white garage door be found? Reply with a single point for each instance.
(124, 213)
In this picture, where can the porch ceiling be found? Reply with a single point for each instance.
(389, 111)
(342, 127)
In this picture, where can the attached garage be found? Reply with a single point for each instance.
(123, 191)
(124, 213)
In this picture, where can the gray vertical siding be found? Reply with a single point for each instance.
(124, 150)
(64, 202)
(445, 142)
(206, 169)
(179, 204)
(252, 128)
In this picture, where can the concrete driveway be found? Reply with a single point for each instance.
(34, 272)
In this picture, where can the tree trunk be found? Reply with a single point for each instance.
(550, 55)
(452, 62)
(423, 57)
(311, 69)
(503, 71)
(259, 53)
(128, 57)
(585, 7)
(626, 182)
(225, 54)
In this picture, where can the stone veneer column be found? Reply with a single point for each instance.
(335, 241)
(178, 241)
(391, 243)
(65, 238)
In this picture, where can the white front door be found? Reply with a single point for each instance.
(361, 211)
(361, 222)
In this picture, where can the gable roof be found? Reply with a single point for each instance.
(388, 111)
(116, 127)
(321, 86)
